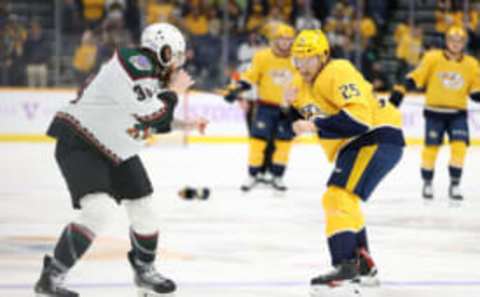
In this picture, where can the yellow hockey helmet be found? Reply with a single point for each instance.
(282, 30)
(311, 43)
(456, 31)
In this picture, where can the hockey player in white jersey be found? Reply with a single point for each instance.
(98, 138)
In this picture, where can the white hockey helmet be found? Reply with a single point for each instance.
(166, 41)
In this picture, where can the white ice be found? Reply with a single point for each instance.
(239, 245)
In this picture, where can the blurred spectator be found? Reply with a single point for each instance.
(132, 17)
(72, 22)
(475, 29)
(206, 45)
(372, 68)
(446, 16)
(84, 59)
(234, 16)
(368, 28)
(282, 10)
(247, 49)
(37, 55)
(409, 51)
(160, 11)
(12, 39)
(378, 10)
(255, 14)
(93, 12)
(113, 26)
(339, 29)
(303, 16)
(195, 21)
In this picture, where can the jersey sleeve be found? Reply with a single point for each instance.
(253, 74)
(138, 91)
(421, 74)
(475, 86)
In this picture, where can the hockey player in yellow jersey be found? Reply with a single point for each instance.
(358, 132)
(450, 77)
(270, 72)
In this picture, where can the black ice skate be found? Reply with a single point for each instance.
(368, 272)
(251, 182)
(51, 280)
(148, 280)
(341, 278)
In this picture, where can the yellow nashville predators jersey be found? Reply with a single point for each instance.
(341, 87)
(271, 74)
(448, 83)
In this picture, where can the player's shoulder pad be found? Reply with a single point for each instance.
(136, 63)
(471, 60)
(340, 68)
(433, 54)
(262, 53)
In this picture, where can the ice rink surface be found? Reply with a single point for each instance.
(244, 245)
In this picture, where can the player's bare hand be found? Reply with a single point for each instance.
(303, 126)
(290, 95)
(180, 82)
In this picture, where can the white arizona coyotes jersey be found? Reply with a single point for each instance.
(122, 94)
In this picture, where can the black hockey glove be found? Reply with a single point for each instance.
(234, 91)
(396, 98)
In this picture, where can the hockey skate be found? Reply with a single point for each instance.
(149, 282)
(427, 191)
(265, 178)
(455, 195)
(278, 185)
(338, 282)
(368, 273)
(51, 280)
(250, 183)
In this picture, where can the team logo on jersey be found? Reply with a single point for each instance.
(309, 111)
(451, 80)
(261, 125)
(141, 63)
(281, 77)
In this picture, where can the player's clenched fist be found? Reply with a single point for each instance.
(303, 126)
(180, 82)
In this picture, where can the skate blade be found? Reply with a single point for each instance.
(344, 290)
(279, 193)
(454, 203)
(427, 201)
(149, 293)
(369, 281)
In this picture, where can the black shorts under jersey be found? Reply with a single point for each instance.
(86, 170)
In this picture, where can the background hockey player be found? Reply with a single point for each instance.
(98, 137)
(271, 71)
(360, 133)
(450, 77)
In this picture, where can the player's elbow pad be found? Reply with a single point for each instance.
(340, 125)
(475, 96)
(162, 120)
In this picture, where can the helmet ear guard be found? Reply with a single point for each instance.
(165, 55)
(167, 42)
